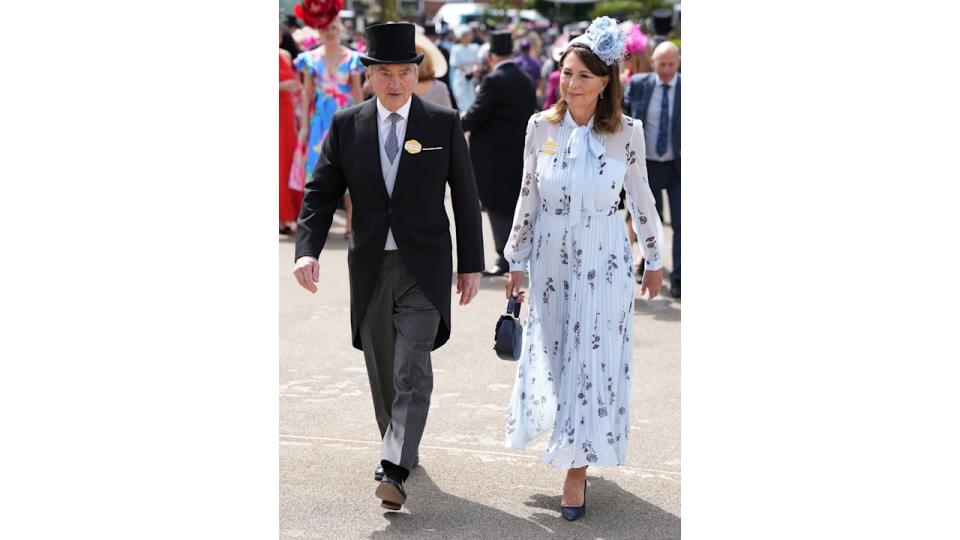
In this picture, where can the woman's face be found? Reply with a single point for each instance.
(466, 38)
(331, 34)
(579, 87)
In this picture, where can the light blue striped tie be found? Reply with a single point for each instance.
(392, 146)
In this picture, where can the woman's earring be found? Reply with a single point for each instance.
(601, 93)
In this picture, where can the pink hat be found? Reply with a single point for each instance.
(306, 37)
(636, 42)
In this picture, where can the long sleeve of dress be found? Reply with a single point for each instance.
(646, 221)
(520, 243)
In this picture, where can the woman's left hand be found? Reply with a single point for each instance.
(652, 282)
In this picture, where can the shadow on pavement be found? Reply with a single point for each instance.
(611, 513)
(662, 307)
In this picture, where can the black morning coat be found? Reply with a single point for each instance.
(350, 158)
(497, 122)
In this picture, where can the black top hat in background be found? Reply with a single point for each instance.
(501, 43)
(391, 43)
(662, 21)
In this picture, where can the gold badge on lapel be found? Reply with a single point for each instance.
(550, 147)
(413, 146)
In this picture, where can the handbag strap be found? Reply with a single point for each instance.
(513, 307)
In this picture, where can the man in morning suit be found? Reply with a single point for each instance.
(497, 122)
(654, 98)
(396, 154)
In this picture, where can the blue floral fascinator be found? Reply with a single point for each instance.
(605, 38)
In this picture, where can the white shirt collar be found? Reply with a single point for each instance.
(672, 82)
(403, 111)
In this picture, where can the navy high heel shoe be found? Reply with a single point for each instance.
(573, 513)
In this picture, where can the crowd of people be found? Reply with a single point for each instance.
(320, 73)
(556, 175)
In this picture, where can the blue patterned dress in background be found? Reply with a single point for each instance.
(332, 94)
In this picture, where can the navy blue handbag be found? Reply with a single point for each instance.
(508, 338)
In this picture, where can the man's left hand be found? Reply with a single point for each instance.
(467, 286)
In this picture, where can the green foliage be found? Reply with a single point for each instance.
(387, 10)
(623, 10)
(496, 15)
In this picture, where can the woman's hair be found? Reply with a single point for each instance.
(426, 71)
(288, 43)
(637, 63)
(607, 118)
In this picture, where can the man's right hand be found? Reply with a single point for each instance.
(307, 272)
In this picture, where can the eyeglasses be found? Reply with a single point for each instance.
(385, 76)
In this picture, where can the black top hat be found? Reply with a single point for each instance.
(662, 21)
(501, 43)
(391, 43)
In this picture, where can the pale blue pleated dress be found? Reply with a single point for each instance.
(573, 377)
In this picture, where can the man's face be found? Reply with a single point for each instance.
(666, 63)
(393, 83)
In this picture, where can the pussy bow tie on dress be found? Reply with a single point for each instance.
(583, 143)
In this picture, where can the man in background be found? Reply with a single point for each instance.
(654, 98)
(497, 122)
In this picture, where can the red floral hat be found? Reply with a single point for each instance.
(318, 13)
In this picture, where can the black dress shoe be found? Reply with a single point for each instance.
(675, 289)
(378, 472)
(573, 513)
(495, 270)
(391, 494)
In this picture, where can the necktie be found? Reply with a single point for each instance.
(664, 126)
(392, 146)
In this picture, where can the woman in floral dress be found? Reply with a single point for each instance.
(331, 82)
(574, 373)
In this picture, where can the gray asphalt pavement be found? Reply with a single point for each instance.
(468, 485)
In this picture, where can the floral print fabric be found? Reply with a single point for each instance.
(574, 373)
(332, 92)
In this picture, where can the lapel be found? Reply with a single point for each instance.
(650, 85)
(676, 105)
(418, 126)
(365, 123)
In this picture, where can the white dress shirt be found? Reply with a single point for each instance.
(388, 169)
(651, 124)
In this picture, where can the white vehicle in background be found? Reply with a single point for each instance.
(456, 14)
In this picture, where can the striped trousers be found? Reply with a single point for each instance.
(397, 334)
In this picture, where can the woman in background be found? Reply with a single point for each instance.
(431, 69)
(331, 82)
(464, 61)
(289, 86)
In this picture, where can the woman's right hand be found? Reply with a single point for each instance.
(302, 135)
(514, 284)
